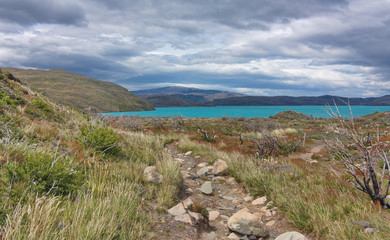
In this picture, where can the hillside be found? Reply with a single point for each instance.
(82, 92)
(165, 101)
(192, 96)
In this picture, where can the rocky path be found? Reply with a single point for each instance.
(228, 207)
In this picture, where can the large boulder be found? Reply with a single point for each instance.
(151, 175)
(387, 201)
(291, 236)
(220, 168)
(246, 223)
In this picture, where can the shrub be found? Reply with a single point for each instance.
(43, 174)
(39, 108)
(101, 139)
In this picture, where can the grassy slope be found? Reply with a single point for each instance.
(80, 91)
(64, 175)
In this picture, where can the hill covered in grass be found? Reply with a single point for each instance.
(82, 92)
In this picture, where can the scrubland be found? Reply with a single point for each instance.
(67, 175)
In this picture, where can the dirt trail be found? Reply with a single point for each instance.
(228, 197)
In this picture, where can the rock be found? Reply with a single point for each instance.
(179, 160)
(244, 238)
(186, 218)
(187, 202)
(212, 236)
(207, 188)
(291, 236)
(258, 214)
(363, 224)
(270, 223)
(213, 215)
(234, 236)
(369, 230)
(259, 201)
(248, 198)
(268, 213)
(202, 171)
(220, 168)
(188, 153)
(246, 223)
(151, 175)
(236, 201)
(197, 216)
(177, 210)
(252, 237)
(231, 181)
(203, 164)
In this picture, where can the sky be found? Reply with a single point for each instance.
(254, 47)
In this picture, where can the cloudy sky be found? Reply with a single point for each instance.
(256, 47)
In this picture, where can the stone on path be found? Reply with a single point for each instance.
(151, 175)
(270, 223)
(220, 168)
(202, 171)
(203, 164)
(188, 153)
(291, 236)
(207, 188)
(234, 236)
(246, 223)
(213, 215)
(259, 201)
(187, 202)
(177, 210)
(186, 218)
(196, 216)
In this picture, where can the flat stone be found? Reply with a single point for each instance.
(207, 188)
(203, 164)
(234, 236)
(258, 214)
(177, 210)
(179, 160)
(188, 153)
(270, 223)
(291, 236)
(246, 223)
(197, 216)
(363, 224)
(202, 171)
(212, 236)
(213, 215)
(268, 213)
(259, 201)
(187, 202)
(220, 168)
(151, 175)
(186, 218)
(369, 230)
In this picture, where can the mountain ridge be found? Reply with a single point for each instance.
(80, 91)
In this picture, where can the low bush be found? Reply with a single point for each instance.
(102, 139)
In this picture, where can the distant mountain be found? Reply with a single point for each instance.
(165, 101)
(299, 101)
(80, 91)
(189, 96)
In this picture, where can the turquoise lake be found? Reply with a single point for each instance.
(250, 111)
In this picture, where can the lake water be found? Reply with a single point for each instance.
(250, 111)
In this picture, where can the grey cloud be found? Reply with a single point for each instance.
(29, 12)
